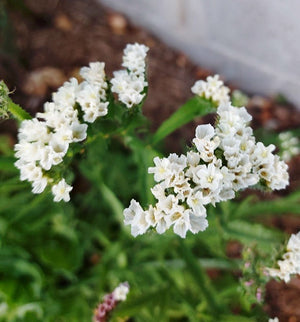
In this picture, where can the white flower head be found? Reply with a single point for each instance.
(129, 87)
(213, 88)
(134, 58)
(290, 263)
(94, 74)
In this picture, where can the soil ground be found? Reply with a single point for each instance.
(45, 42)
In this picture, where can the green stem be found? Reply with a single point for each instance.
(199, 274)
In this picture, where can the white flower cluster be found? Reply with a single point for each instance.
(289, 145)
(129, 84)
(274, 320)
(44, 140)
(290, 264)
(213, 88)
(225, 160)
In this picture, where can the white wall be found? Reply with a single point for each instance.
(254, 43)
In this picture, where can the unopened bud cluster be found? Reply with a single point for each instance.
(3, 100)
(110, 301)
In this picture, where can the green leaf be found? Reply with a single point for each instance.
(289, 204)
(236, 318)
(134, 304)
(196, 106)
(13, 268)
(17, 112)
(246, 232)
(202, 280)
(60, 254)
(207, 263)
(6, 146)
(7, 164)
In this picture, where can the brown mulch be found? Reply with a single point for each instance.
(52, 39)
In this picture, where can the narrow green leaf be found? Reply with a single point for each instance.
(236, 318)
(289, 204)
(202, 279)
(207, 263)
(196, 106)
(7, 164)
(17, 112)
(135, 304)
(247, 232)
(113, 201)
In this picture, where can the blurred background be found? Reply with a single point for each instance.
(252, 43)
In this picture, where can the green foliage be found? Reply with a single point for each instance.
(58, 260)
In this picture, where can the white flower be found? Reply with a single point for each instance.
(129, 213)
(94, 74)
(78, 131)
(196, 202)
(193, 159)
(203, 142)
(33, 131)
(120, 292)
(205, 132)
(61, 191)
(150, 216)
(39, 185)
(158, 190)
(139, 223)
(197, 223)
(162, 223)
(209, 177)
(162, 169)
(66, 94)
(136, 217)
(129, 87)
(181, 221)
(294, 243)
(274, 320)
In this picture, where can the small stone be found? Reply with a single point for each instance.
(117, 23)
